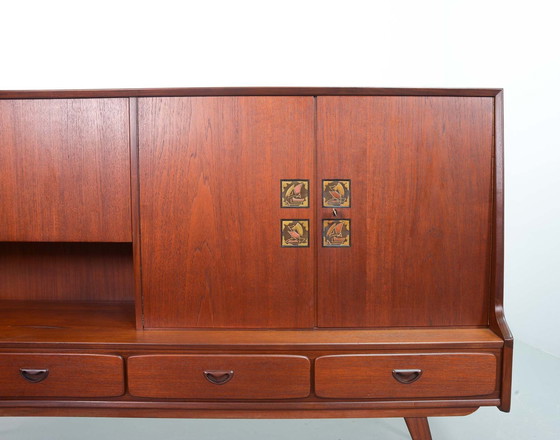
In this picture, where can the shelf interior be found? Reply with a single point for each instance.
(27, 324)
(52, 286)
(54, 271)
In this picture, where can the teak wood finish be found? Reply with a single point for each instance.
(63, 375)
(142, 273)
(66, 272)
(64, 170)
(421, 206)
(431, 375)
(219, 376)
(211, 245)
(418, 428)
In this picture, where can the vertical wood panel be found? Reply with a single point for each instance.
(64, 170)
(135, 211)
(210, 171)
(421, 210)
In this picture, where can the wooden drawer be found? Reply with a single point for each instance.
(61, 375)
(219, 376)
(406, 375)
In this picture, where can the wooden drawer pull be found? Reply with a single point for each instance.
(33, 375)
(218, 377)
(407, 376)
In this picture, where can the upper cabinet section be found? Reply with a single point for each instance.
(65, 170)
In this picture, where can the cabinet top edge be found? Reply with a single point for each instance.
(245, 91)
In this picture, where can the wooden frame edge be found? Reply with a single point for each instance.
(498, 321)
(237, 409)
(232, 414)
(135, 211)
(245, 91)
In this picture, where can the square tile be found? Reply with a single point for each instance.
(294, 232)
(336, 193)
(294, 193)
(336, 233)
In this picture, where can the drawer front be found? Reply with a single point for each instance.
(406, 375)
(61, 375)
(219, 377)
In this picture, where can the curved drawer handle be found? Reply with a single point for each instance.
(218, 377)
(407, 376)
(34, 375)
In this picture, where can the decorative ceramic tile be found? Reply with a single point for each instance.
(294, 193)
(336, 193)
(336, 233)
(295, 233)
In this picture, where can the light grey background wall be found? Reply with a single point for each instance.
(453, 43)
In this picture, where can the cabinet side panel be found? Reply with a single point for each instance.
(420, 170)
(210, 171)
(497, 317)
(64, 170)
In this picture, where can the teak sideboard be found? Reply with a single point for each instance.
(253, 252)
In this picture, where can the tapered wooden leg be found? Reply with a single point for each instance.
(418, 428)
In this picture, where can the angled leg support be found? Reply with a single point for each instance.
(418, 428)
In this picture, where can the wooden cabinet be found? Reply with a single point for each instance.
(252, 253)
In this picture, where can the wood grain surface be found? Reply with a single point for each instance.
(64, 170)
(370, 376)
(421, 172)
(210, 171)
(253, 376)
(66, 272)
(69, 375)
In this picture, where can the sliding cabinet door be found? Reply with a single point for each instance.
(409, 179)
(64, 170)
(214, 250)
